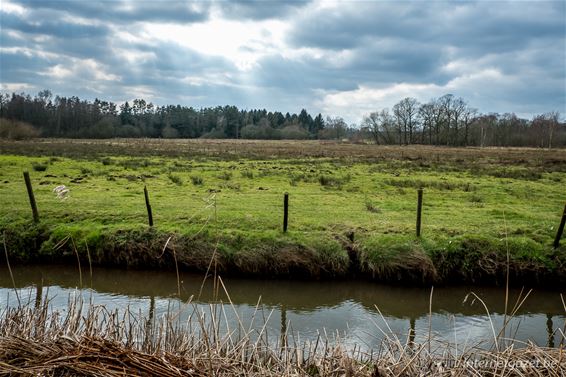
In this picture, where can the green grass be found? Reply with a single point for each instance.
(237, 204)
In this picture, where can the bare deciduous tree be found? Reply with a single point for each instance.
(380, 125)
(406, 112)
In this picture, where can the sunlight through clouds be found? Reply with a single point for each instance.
(243, 43)
(339, 58)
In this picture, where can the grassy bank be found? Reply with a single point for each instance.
(352, 209)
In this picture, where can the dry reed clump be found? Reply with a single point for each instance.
(90, 340)
(93, 341)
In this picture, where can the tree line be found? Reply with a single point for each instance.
(75, 118)
(450, 121)
(447, 120)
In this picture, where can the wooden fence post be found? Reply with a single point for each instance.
(39, 294)
(283, 326)
(148, 206)
(560, 229)
(285, 211)
(31, 197)
(419, 210)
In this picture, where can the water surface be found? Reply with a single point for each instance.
(359, 313)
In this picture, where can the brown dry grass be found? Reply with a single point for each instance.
(227, 149)
(89, 340)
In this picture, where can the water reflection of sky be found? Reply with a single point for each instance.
(356, 325)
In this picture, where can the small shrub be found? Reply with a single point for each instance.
(86, 171)
(231, 186)
(294, 132)
(106, 161)
(180, 166)
(474, 198)
(127, 131)
(247, 174)
(197, 180)
(175, 179)
(226, 176)
(439, 185)
(169, 132)
(265, 173)
(332, 181)
(37, 166)
(526, 174)
(371, 207)
(16, 130)
(135, 164)
(103, 129)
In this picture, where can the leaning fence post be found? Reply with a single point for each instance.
(31, 197)
(39, 294)
(560, 229)
(148, 206)
(419, 210)
(285, 211)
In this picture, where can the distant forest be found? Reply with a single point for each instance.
(447, 120)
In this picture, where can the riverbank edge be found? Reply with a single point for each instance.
(391, 258)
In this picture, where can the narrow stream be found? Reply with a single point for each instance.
(360, 314)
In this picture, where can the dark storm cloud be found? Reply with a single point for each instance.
(124, 11)
(351, 26)
(260, 9)
(47, 31)
(55, 28)
(294, 75)
(403, 60)
(409, 42)
(20, 67)
(468, 25)
(169, 63)
(375, 63)
(69, 41)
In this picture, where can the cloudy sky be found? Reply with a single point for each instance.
(339, 58)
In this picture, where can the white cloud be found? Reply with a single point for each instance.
(139, 91)
(15, 86)
(223, 79)
(58, 72)
(354, 104)
(243, 43)
(29, 52)
(135, 57)
(85, 69)
(8, 7)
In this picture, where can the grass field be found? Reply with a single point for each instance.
(225, 199)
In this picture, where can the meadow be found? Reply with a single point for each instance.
(219, 205)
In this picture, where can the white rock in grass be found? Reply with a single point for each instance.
(62, 192)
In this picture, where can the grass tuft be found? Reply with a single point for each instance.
(197, 180)
(175, 179)
(225, 176)
(37, 166)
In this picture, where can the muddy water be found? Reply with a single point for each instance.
(359, 313)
